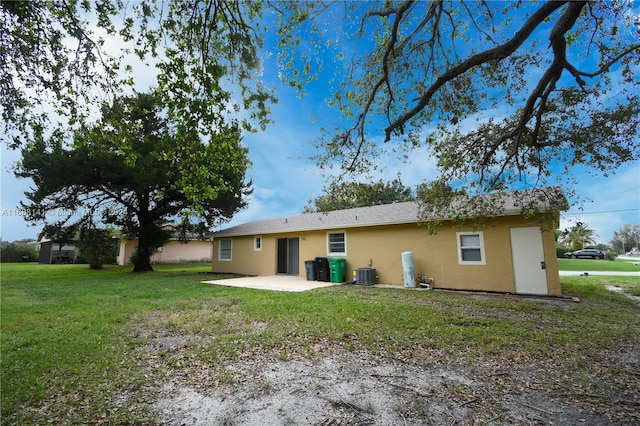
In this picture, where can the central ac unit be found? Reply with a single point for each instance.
(365, 276)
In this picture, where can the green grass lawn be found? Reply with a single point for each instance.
(598, 265)
(75, 342)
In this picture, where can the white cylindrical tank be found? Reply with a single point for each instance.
(408, 270)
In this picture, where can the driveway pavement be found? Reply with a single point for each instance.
(274, 282)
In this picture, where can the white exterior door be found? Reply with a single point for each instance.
(528, 260)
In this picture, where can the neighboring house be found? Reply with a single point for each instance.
(515, 254)
(55, 252)
(174, 251)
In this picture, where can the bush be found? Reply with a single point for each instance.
(18, 252)
(610, 255)
(97, 246)
(560, 251)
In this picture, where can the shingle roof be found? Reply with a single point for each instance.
(349, 218)
(388, 214)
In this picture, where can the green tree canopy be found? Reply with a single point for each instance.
(626, 238)
(57, 63)
(97, 246)
(347, 195)
(505, 95)
(18, 251)
(135, 168)
(578, 236)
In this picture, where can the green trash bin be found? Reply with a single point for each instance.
(337, 268)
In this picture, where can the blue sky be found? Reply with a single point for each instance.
(284, 178)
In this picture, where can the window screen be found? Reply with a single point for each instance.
(224, 252)
(470, 246)
(337, 243)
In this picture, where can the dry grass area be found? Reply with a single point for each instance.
(319, 381)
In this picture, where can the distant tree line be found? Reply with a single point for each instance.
(626, 238)
(349, 195)
(18, 251)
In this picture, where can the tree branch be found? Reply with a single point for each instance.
(608, 65)
(497, 53)
(553, 73)
(546, 84)
(399, 12)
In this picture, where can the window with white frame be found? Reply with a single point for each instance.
(224, 249)
(337, 243)
(257, 243)
(470, 248)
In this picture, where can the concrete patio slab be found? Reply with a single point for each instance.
(274, 283)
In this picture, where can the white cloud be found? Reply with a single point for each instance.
(614, 200)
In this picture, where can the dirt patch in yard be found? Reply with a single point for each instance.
(237, 378)
(343, 387)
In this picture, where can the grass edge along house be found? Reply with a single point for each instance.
(514, 253)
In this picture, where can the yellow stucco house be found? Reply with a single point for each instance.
(515, 254)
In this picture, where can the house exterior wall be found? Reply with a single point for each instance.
(380, 247)
(172, 252)
(244, 259)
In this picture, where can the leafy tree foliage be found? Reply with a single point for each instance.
(503, 94)
(58, 61)
(57, 232)
(18, 251)
(97, 246)
(187, 230)
(578, 236)
(347, 195)
(626, 238)
(135, 168)
(506, 95)
(25, 241)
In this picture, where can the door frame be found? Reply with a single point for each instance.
(288, 256)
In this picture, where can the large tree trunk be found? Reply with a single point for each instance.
(142, 261)
(143, 256)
